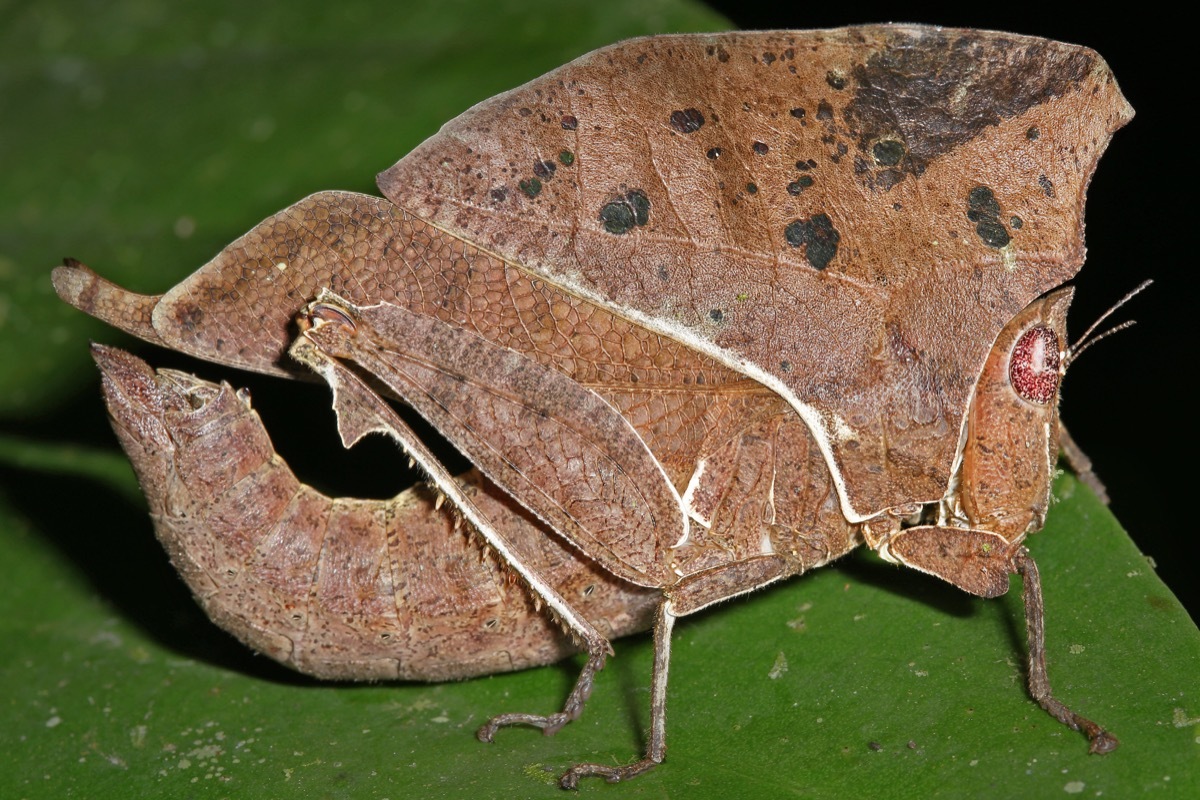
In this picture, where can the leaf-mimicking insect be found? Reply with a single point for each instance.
(704, 311)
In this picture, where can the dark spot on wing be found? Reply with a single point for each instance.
(984, 210)
(817, 236)
(688, 120)
(622, 214)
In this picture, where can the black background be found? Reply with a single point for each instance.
(1130, 401)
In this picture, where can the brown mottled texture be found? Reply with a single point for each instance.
(569, 455)
(336, 587)
(872, 301)
(565, 453)
(709, 310)
(974, 561)
(885, 333)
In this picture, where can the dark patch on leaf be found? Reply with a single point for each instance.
(993, 234)
(984, 210)
(751, 188)
(716, 315)
(531, 186)
(805, 165)
(720, 52)
(499, 195)
(544, 169)
(689, 120)
(935, 90)
(714, 153)
(566, 158)
(622, 214)
(836, 80)
(1017, 223)
(824, 111)
(1032, 133)
(190, 317)
(888, 152)
(1047, 186)
(817, 236)
(617, 217)
(798, 113)
(569, 122)
(760, 148)
(886, 179)
(799, 185)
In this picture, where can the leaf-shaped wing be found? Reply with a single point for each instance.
(557, 447)
(239, 309)
(850, 216)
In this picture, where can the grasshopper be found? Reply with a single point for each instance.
(710, 310)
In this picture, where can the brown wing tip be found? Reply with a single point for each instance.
(72, 280)
(135, 404)
(124, 373)
(113, 360)
(79, 286)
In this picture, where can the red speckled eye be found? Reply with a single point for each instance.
(1033, 367)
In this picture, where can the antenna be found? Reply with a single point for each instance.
(1083, 343)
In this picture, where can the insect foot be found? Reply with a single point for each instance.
(551, 724)
(980, 563)
(656, 747)
(1101, 741)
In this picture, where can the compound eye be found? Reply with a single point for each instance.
(1033, 368)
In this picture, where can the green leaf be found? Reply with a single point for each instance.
(141, 139)
(857, 680)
